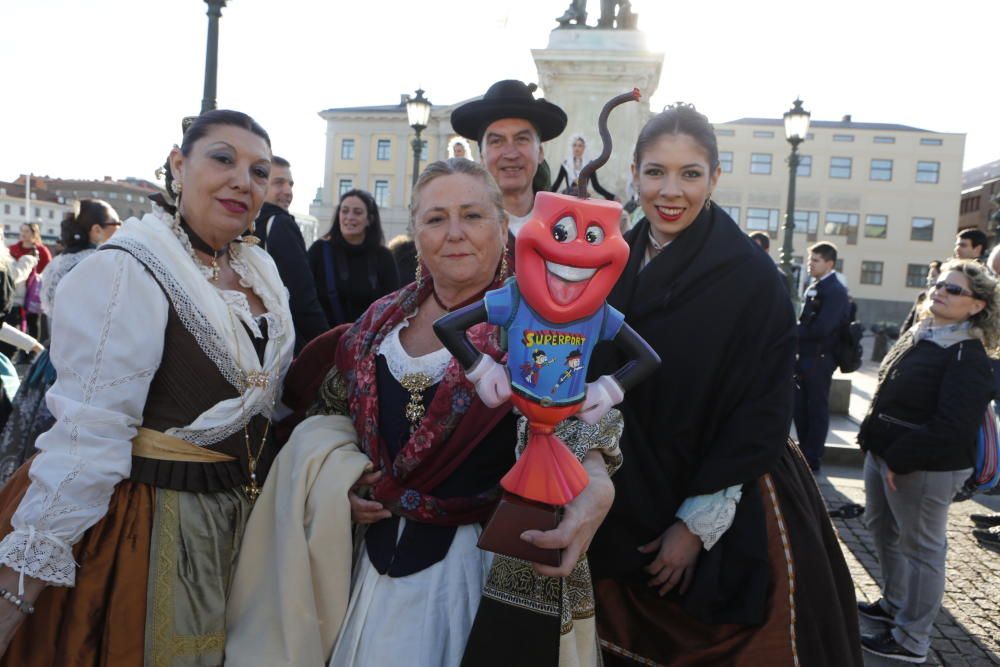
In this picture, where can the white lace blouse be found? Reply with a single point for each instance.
(106, 349)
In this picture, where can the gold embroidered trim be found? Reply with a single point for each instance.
(514, 582)
(332, 397)
(786, 545)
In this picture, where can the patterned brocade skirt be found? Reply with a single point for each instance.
(151, 586)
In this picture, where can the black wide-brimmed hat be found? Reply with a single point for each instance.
(508, 99)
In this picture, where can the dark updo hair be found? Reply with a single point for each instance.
(76, 226)
(200, 127)
(374, 237)
(679, 118)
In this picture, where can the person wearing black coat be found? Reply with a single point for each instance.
(718, 549)
(281, 237)
(351, 267)
(825, 310)
(920, 437)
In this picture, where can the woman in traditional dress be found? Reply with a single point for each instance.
(351, 266)
(169, 345)
(920, 438)
(718, 550)
(422, 592)
(569, 170)
(93, 223)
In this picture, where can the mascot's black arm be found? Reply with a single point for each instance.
(644, 361)
(450, 330)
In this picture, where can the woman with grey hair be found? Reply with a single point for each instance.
(920, 438)
(418, 486)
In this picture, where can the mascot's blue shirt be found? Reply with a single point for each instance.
(546, 360)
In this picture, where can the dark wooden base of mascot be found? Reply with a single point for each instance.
(513, 516)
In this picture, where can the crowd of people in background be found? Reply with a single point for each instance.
(242, 449)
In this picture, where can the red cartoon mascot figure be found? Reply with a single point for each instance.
(568, 256)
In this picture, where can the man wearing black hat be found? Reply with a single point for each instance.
(510, 125)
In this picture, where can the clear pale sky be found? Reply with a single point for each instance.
(98, 87)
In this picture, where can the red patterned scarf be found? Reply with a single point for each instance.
(453, 425)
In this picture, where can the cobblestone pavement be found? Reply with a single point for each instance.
(967, 629)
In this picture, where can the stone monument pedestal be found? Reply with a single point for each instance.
(580, 70)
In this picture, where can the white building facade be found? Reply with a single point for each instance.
(887, 195)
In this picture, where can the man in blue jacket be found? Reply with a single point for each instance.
(825, 309)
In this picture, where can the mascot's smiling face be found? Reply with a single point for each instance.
(569, 256)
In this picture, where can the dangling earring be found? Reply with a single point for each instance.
(708, 202)
(504, 267)
(251, 239)
(419, 273)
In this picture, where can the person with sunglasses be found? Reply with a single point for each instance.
(920, 441)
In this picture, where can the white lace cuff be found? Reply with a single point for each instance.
(710, 516)
(38, 555)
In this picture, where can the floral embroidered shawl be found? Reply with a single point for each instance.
(453, 425)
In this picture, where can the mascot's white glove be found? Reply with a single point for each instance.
(602, 394)
(491, 380)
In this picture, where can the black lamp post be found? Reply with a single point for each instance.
(796, 129)
(212, 53)
(418, 112)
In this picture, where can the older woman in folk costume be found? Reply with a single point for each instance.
(718, 550)
(124, 529)
(430, 460)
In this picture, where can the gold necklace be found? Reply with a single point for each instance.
(262, 380)
(416, 384)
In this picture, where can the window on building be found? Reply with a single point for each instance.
(733, 211)
(843, 137)
(726, 161)
(128, 197)
(22, 210)
(38, 212)
(930, 142)
(840, 167)
(838, 266)
(382, 192)
(871, 273)
(724, 132)
(881, 170)
(131, 212)
(805, 167)
(423, 150)
(52, 214)
(916, 275)
(6, 209)
(876, 226)
(762, 219)
(840, 224)
(760, 163)
(383, 149)
(806, 222)
(922, 229)
(344, 185)
(885, 140)
(347, 149)
(928, 172)
(763, 134)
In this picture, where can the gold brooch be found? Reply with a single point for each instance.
(416, 384)
(258, 379)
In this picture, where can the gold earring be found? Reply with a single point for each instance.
(419, 273)
(708, 202)
(504, 267)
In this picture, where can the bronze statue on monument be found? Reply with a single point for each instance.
(615, 15)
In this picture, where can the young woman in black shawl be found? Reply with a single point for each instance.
(718, 549)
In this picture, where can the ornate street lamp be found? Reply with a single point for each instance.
(418, 111)
(796, 129)
(212, 53)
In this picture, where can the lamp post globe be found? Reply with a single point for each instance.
(418, 113)
(796, 131)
